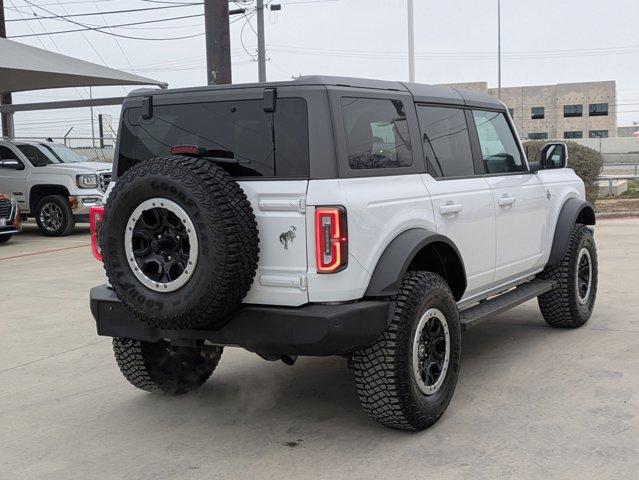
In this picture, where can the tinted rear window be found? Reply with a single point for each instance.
(265, 144)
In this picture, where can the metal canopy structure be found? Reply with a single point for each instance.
(24, 68)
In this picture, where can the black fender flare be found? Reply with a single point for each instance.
(572, 210)
(397, 257)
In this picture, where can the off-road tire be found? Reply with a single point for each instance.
(161, 367)
(68, 220)
(226, 230)
(5, 238)
(560, 307)
(383, 371)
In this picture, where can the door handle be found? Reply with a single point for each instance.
(450, 209)
(506, 200)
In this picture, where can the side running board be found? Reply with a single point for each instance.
(496, 305)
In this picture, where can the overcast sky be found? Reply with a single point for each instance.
(543, 42)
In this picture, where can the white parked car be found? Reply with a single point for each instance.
(332, 216)
(51, 183)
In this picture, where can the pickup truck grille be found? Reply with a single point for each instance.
(5, 208)
(104, 178)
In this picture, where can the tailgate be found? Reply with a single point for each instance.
(281, 222)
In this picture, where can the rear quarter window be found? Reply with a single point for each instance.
(376, 133)
(266, 144)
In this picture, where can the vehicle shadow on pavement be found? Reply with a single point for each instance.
(30, 229)
(316, 394)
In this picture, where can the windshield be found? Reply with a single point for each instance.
(64, 154)
(41, 154)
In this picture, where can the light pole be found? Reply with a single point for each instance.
(499, 49)
(411, 42)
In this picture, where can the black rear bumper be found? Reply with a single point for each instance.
(313, 329)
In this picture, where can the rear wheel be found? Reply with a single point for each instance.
(571, 303)
(407, 378)
(162, 367)
(5, 238)
(54, 216)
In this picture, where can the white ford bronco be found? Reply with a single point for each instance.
(52, 183)
(331, 216)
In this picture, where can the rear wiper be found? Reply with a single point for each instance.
(226, 161)
(217, 156)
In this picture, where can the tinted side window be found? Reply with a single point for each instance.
(446, 141)
(35, 155)
(498, 145)
(376, 133)
(7, 154)
(266, 144)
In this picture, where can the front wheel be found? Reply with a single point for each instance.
(407, 378)
(54, 216)
(162, 367)
(5, 238)
(570, 303)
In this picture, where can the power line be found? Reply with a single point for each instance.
(117, 42)
(55, 45)
(84, 28)
(169, 3)
(100, 30)
(247, 22)
(37, 17)
(87, 40)
(70, 3)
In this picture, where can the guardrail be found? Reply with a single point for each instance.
(634, 166)
(611, 178)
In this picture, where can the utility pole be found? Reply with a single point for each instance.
(411, 42)
(261, 48)
(499, 49)
(7, 118)
(218, 42)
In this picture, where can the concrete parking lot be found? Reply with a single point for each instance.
(532, 401)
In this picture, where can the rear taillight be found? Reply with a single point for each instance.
(97, 221)
(331, 239)
(185, 150)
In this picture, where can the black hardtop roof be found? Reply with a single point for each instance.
(421, 92)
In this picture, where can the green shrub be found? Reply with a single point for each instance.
(586, 162)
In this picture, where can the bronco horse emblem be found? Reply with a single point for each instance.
(287, 237)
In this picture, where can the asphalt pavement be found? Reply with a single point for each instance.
(532, 402)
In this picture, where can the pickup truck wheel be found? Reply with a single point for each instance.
(407, 378)
(571, 303)
(162, 367)
(5, 238)
(180, 242)
(54, 216)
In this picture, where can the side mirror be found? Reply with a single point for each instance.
(12, 164)
(553, 155)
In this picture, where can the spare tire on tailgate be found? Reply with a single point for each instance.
(180, 242)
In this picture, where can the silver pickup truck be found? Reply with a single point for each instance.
(52, 183)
